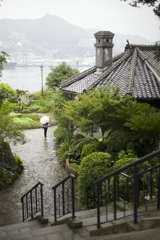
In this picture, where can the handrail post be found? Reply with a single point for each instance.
(42, 200)
(73, 200)
(63, 201)
(22, 209)
(55, 203)
(31, 204)
(115, 196)
(98, 205)
(158, 200)
(151, 184)
(135, 193)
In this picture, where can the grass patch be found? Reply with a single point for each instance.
(26, 123)
(29, 121)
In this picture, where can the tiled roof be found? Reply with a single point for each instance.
(135, 72)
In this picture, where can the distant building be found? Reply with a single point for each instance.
(135, 71)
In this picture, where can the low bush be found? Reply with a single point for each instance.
(26, 110)
(88, 149)
(19, 161)
(93, 167)
(34, 108)
(43, 110)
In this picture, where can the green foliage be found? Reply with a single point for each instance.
(26, 123)
(25, 110)
(59, 100)
(42, 105)
(157, 52)
(75, 166)
(93, 109)
(147, 128)
(36, 96)
(3, 58)
(76, 145)
(6, 177)
(93, 167)
(123, 159)
(63, 141)
(9, 131)
(43, 110)
(88, 149)
(6, 91)
(58, 74)
(61, 134)
(129, 108)
(34, 108)
(124, 140)
(19, 161)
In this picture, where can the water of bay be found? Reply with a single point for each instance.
(27, 78)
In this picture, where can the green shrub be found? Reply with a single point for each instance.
(75, 166)
(6, 177)
(26, 110)
(88, 149)
(43, 110)
(93, 167)
(61, 134)
(19, 161)
(63, 141)
(36, 95)
(34, 108)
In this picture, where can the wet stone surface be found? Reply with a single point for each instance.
(41, 165)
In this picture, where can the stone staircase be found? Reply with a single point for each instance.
(84, 227)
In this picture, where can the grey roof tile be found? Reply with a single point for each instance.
(135, 72)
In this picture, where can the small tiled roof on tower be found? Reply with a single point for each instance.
(135, 71)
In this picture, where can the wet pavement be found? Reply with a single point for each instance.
(41, 165)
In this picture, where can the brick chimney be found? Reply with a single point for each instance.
(104, 47)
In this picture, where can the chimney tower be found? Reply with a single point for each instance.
(104, 47)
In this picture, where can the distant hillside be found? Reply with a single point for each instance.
(53, 36)
(48, 31)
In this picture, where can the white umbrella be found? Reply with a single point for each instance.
(44, 119)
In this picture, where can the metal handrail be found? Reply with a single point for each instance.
(32, 202)
(64, 201)
(132, 164)
(100, 189)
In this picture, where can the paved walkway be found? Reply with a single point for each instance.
(41, 164)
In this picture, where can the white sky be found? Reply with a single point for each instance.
(108, 15)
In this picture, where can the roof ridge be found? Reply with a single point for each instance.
(132, 70)
(142, 46)
(126, 54)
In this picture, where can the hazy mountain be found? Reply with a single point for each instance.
(52, 35)
(48, 30)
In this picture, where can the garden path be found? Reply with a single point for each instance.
(41, 164)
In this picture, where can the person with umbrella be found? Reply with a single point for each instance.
(45, 121)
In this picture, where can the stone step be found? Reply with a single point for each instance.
(150, 234)
(84, 226)
(35, 231)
